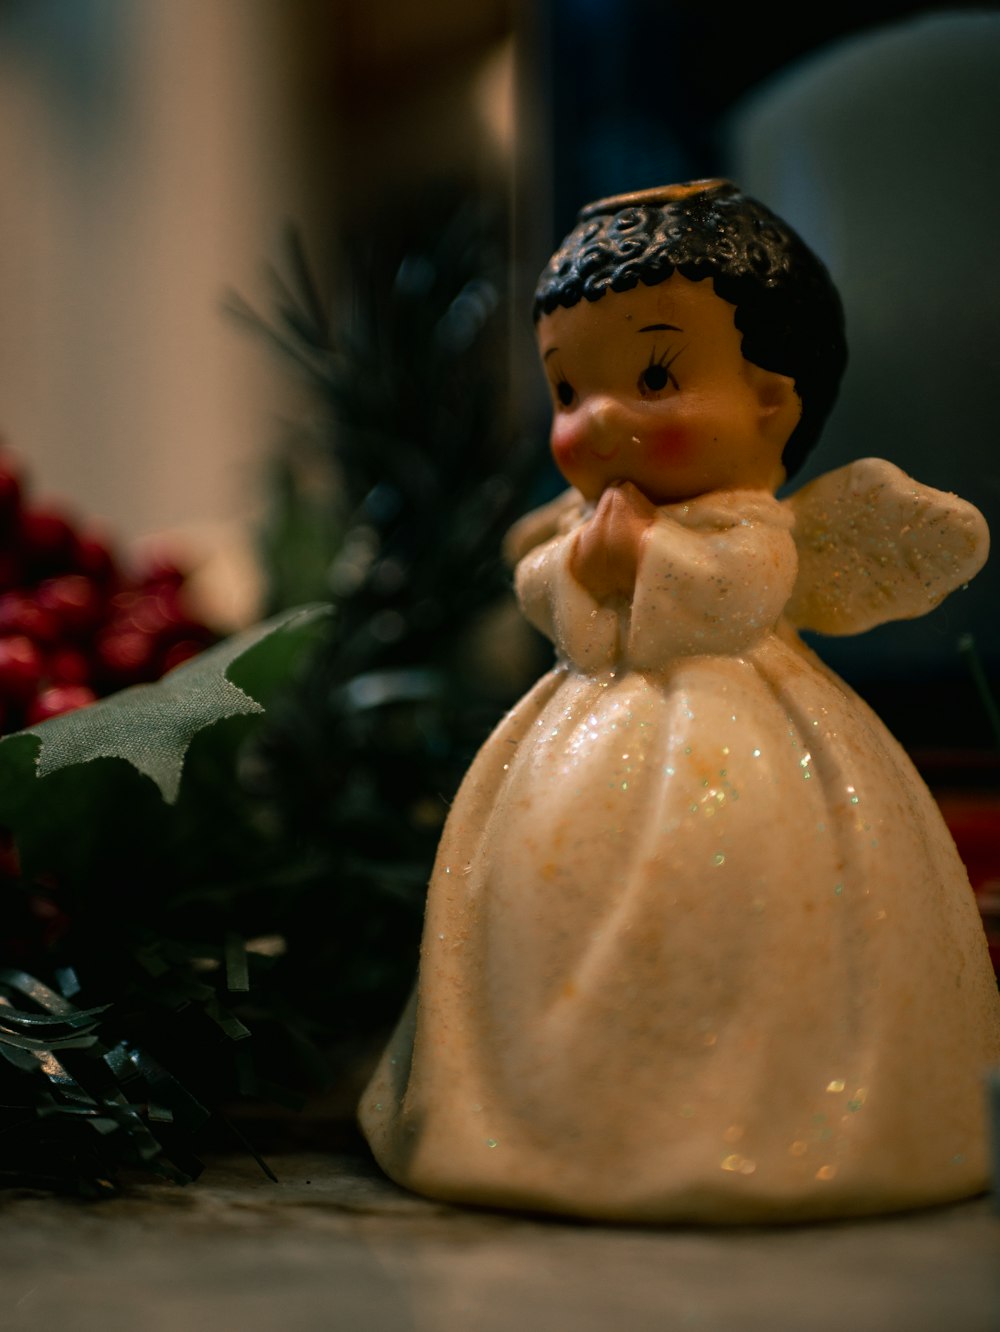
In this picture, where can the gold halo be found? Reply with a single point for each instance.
(661, 194)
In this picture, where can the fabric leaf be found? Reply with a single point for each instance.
(151, 726)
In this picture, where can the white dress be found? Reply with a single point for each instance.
(698, 945)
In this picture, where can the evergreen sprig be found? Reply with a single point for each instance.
(420, 475)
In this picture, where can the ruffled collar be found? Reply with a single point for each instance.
(731, 508)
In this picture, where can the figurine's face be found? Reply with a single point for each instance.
(650, 386)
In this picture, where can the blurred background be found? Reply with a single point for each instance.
(154, 153)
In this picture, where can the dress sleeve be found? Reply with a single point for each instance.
(874, 545)
(714, 588)
(583, 631)
(536, 527)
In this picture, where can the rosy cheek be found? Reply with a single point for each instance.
(566, 442)
(670, 444)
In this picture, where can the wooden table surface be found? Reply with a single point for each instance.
(334, 1245)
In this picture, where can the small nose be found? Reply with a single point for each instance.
(602, 415)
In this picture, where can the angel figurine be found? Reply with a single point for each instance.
(698, 945)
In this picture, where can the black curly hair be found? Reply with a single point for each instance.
(787, 308)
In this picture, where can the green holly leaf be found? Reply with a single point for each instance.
(152, 726)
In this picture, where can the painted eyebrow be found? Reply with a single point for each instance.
(551, 352)
(660, 328)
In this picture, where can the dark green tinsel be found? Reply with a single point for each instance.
(132, 918)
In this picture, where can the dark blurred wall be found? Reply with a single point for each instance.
(640, 93)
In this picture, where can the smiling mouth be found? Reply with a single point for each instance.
(605, 457)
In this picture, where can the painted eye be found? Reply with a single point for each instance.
(565, 392)
(654, 378)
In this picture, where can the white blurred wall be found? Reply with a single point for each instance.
(147, 163)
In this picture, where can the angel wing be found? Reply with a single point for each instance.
(875, 545)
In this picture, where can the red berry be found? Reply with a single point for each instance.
(10, 860)
(47, 540)
(160, 569)
(123, 602)
(159, 612)
(10, 569)
(68, 665)
(180, 652)
(73, 600)
(10, 489)
(53, 921)
(93, 558)
(127, 656)
(56, 700)
(20, 668)
(19, 614)
(71, 618)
